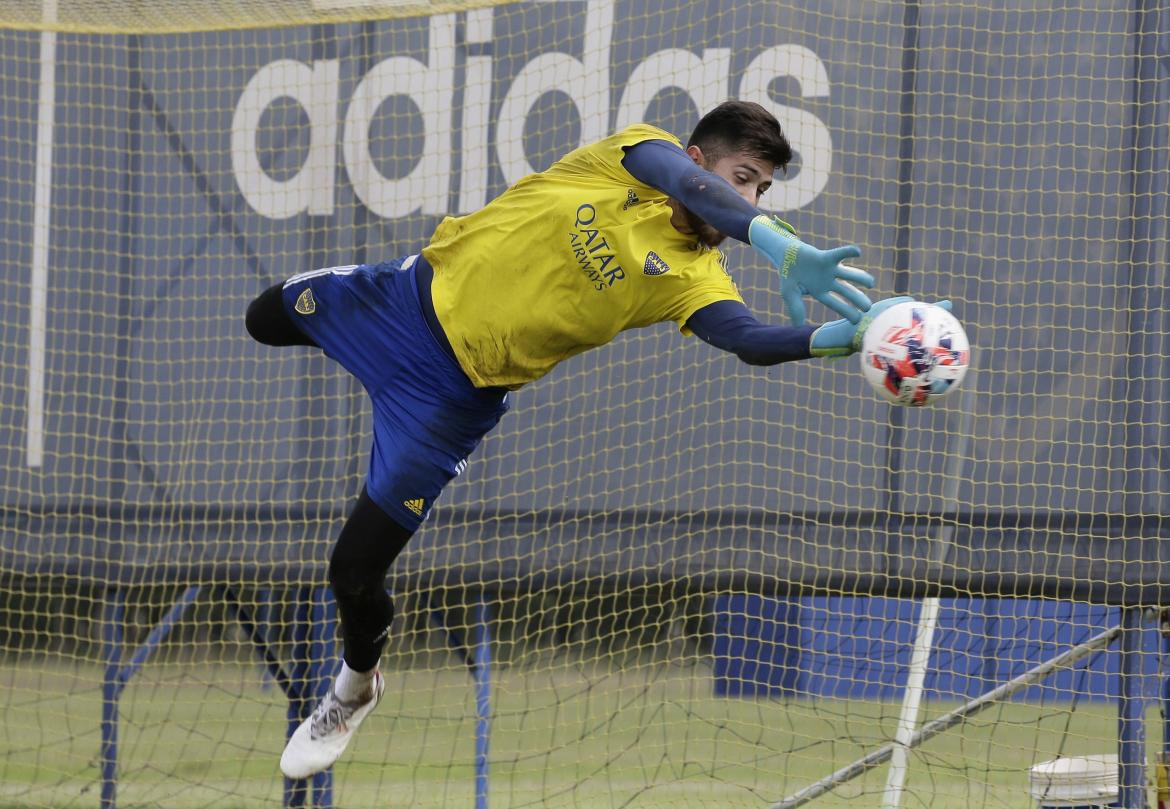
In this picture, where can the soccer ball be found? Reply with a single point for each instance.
(914, 353)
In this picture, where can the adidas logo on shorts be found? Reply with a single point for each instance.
(415, 505)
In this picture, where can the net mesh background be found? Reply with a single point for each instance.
(703, 579)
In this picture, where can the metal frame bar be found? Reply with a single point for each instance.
(483, 700)
(313, 653)
(313, 664)
(478, 660)
(952, 718)
(260, 641)
(1131, 714)
(117, 673)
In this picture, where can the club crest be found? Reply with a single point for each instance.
(306, 304)
(655, 265)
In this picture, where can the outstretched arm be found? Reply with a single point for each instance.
(804, 270)
(662, 165)
(729, 325)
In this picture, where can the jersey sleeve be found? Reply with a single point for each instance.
(732, 327)
(668, 168)
(707, 283)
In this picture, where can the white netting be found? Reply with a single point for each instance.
(641, 523)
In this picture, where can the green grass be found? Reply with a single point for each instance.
(563, 735)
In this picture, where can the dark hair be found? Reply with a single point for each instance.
(741, 126)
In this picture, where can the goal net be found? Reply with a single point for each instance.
(667, 578)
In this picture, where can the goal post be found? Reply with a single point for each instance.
(948, 720)
(651, 517)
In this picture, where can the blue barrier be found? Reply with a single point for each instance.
(757, 646)
(859, 647)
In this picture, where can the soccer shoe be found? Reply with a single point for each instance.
(321, 739)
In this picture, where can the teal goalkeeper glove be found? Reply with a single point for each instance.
(805, 270)
(841, 338)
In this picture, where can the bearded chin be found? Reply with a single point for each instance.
(707, 235)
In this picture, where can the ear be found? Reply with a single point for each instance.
(696, 154)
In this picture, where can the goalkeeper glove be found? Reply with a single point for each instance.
(805, 270)
(840, 338)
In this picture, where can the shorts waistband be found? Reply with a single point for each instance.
(424, 273)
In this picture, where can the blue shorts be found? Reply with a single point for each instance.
(428, 417)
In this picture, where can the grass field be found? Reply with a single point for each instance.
(650, 735)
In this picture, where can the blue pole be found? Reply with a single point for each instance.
(891, 503)
(157, 635)
(311, 673)
(296, 791)
(319, 676)
(1146, 369)
(483, 709)
(253, 625)
(1131, 707)
(1145, 459)
(117, 675)
(113, 613)
(1163, 787)
(264, 619)
(457, 644)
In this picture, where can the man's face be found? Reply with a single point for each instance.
(749, 175)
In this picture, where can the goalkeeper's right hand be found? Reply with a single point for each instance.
(805, 270)
(840, 338)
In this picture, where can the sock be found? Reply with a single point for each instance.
(355, 686)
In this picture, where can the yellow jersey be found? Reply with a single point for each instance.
(562, 262)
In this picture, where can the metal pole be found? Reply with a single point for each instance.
(158, 634)
(1163, 780)
(1145, 465)
(299, 698)
(113, 614)
(928, 617)
(1131, 708)
(1146, 368)
(322, 648)
(483, 692)
(42, 216)
(948, 720)
(897, 415)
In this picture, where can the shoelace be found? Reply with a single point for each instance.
(331, 714)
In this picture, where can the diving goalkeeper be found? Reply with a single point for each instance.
(616, 235)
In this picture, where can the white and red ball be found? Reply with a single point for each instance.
(914, 353)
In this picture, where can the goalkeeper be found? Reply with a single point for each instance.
(616, 235)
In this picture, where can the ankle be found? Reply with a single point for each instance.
(355, 686)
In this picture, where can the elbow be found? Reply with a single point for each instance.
(693, 183)
(758, 360)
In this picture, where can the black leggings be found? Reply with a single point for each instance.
(370, 540)
(369, 543)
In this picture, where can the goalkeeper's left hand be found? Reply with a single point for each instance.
(805, 270)
(839, 338)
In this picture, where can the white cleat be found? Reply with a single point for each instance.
(321, 739)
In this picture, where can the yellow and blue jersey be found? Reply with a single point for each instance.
(562, 262)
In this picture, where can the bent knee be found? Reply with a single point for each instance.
(354, 574)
